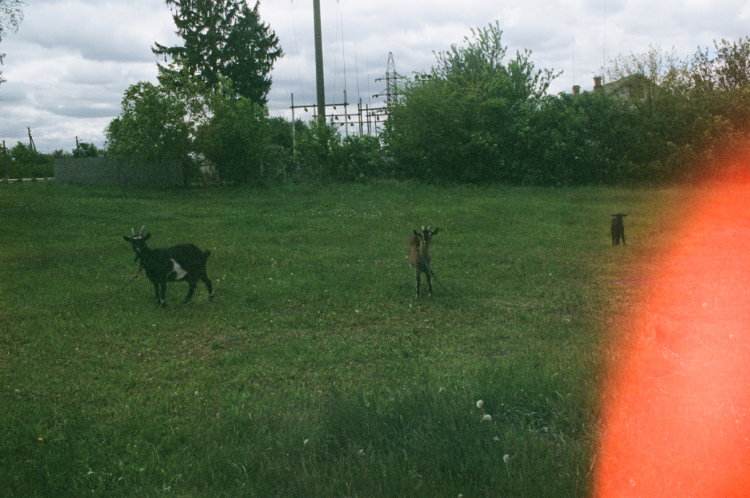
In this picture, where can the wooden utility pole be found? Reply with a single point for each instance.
(319, 64)
(32, 146)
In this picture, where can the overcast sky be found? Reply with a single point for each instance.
(70, 62)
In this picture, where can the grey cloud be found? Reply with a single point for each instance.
(105, 31)
(87, 111)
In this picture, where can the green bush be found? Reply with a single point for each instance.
(22, 161)
(318, 151)
(362, 158)
(321, 153)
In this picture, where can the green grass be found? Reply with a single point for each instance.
(315, 371)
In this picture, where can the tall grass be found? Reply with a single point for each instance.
(315, 371)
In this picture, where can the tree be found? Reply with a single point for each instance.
(483, 58)
(732, 64)
(152, 127)
(463, 121)
(223, 38)
(684, 110)
(10, 17)
(722, 90)
(84, 149)
(236, 138)
(663, 69)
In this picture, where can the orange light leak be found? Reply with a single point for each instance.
(676, 414)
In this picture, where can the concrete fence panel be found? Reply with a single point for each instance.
(112, 171)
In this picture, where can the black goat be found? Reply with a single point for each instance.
(420, 257)
(183, 262)
(618, 229)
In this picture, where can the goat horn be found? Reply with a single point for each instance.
(142, 229)
(132, 230)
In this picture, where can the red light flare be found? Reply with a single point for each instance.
(676, 408)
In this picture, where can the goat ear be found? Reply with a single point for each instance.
(146, 237)
(127, 239)
(417, 233)
(435, 231)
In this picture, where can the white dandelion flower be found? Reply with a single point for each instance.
(487, 417)
(480, 404)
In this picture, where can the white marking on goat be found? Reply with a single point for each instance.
(179, 272)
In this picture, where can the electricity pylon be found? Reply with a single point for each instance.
(390, 77)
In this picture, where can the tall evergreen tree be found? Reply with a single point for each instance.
(223, 38)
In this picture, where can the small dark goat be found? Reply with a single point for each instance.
(618, 229)
(419, 255)
(183, 262)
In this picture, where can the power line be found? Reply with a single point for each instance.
(367, 69)
(356, 67)
(296, 49)
(604, 38)
(343, 49)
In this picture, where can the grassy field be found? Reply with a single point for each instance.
(316, 372)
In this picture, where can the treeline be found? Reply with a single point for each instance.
(476, 118)
(220, 137)
(24, 161)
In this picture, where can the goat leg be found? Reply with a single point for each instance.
(210, 288)
(156, 290)
(191, 290)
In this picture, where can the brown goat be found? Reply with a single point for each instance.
(419, 255)
(618, 229)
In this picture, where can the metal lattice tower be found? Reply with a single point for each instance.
(390, 77)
